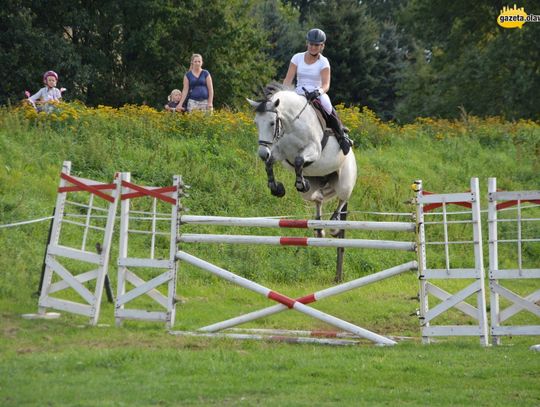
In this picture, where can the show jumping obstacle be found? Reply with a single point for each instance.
(497, 275)
(149, 220)
(283, 301)
(64, 260)
(426, 203)
(155, 214)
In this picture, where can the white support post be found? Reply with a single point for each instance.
(421, 253)
(425, 203)
(56, 253)
(500, 326)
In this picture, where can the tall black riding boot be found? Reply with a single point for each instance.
(342, 139)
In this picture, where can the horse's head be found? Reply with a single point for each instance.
(268, 124)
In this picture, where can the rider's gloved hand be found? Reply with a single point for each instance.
(313, 95)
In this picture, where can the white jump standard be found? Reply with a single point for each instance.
(55, 294)
(426, 202)
(499, 276)
(166, 304)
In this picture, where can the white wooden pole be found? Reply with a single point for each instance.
(291, 303)
(479, 262)
(122, 246)
(493, 257)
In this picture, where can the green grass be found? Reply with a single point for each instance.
(64, 362)
(68, 363)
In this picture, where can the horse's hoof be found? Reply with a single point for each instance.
(319, 233)
(278, 190)
(303, 186)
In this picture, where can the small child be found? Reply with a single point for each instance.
(174, 99)
(49, 93)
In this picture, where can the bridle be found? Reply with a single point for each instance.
(278, 129)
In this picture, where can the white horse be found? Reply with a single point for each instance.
(290, 132)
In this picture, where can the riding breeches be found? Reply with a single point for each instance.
(326, 103)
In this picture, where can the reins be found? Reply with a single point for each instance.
(301, 111)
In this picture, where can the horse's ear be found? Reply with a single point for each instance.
(276, 103)
(254, 104)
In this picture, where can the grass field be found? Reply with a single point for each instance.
(66, 362)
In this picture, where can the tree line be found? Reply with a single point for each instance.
(401, 58)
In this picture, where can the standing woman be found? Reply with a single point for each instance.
(312, 71)
(198, 88)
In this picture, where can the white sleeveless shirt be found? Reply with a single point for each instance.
(309, 75)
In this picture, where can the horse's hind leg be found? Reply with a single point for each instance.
(276, 187)
(302, 184)
(339, 214)
(340, 250)
(318, 216)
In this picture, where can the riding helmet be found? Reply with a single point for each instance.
(316, 36)
(49, 73)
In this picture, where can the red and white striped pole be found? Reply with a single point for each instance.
(297, 223)
(328, 292)
(287, 301)
(297, 241)
(272, 338)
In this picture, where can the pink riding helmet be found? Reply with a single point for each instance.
(49, 73)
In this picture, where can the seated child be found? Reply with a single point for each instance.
(174, 100)
(47, 94)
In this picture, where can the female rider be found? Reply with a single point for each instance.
(312, 71)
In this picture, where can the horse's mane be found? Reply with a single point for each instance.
(274, 87)
(270, 90)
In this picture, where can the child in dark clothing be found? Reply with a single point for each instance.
(173, 100)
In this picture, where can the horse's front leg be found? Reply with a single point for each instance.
(302, 184)
(276, 187)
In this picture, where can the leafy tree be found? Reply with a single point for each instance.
(305, 7)
(351, 47)
(285, 33)
(387, 71)
(115, 53)
(475, 64)
(26, 52)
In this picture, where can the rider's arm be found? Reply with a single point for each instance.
(291, 73)
(325, 79)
